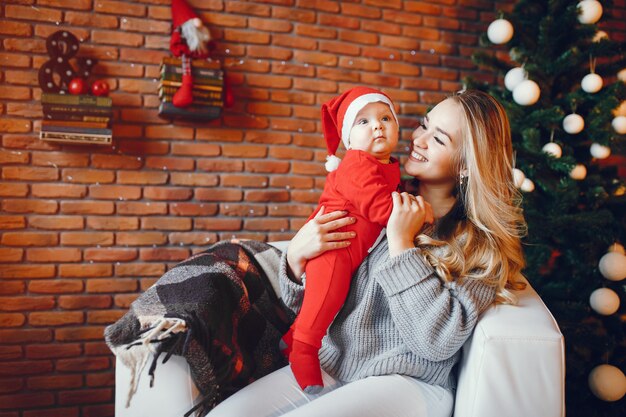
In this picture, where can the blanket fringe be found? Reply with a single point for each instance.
(203, 406)
(135, 360)
(135, 355)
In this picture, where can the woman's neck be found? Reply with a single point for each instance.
(439, 196)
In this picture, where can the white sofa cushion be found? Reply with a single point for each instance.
(514, 363)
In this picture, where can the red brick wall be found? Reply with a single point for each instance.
(84, 229)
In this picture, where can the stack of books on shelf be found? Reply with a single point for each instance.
(208, 89)
(80, 119)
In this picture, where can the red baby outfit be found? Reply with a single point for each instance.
(362, 186)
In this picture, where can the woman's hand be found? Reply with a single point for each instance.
(407, 218)
(316, 237)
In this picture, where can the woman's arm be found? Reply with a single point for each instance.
(316, 237)
(434, 318)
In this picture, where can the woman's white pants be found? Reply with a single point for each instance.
(278, 394)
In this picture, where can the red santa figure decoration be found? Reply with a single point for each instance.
(190, 39)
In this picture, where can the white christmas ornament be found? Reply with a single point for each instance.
(600, 35)
(552, 149)
(579, 172)
(518, 177)
(527, 186)
(607, 382)
(612, 266)
(599, 151)
(500, 31)
(621, 75)
(526, 93)
(513, 77)
(590, 11)
(591, 83)
(619, 124)
(617, 247)
(573, 123)
(604, 301)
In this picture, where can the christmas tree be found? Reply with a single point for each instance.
(562, 95)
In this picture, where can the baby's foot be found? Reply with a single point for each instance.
(305, 365)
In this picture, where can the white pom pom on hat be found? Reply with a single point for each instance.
(338, 116)
(332, 163)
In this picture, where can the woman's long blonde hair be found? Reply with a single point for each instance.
(484, 229)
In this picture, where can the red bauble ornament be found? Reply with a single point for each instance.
(100, 88)
(77, 86)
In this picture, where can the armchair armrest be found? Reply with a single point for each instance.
(514, 363)
(173, 394)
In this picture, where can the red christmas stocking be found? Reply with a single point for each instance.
(184, 96)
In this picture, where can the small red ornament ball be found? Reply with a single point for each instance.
(100, 88)
(77, 86)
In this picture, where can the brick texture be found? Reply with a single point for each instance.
(85, 229)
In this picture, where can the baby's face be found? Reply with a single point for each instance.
(375, 131)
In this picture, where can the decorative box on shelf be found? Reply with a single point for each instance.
(207, 90)
(76, 119)
(69, 114)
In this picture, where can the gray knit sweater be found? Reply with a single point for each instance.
(399, 318)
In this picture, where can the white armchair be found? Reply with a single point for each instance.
(512, 366)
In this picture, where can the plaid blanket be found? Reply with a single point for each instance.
(218, 309)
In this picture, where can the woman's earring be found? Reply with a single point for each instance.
(461, 179)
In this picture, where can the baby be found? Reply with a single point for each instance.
(365, 121)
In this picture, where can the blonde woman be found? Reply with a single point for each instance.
(451, 250)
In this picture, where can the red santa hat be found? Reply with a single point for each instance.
(181, 13)
(338, 116)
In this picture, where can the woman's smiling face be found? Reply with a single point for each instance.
(435, 144)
